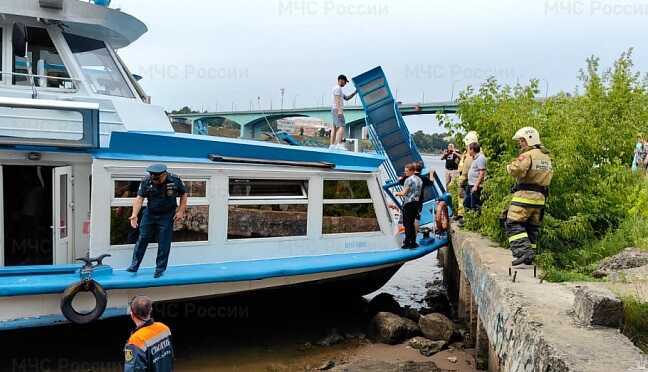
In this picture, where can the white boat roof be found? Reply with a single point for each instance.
(82, 18)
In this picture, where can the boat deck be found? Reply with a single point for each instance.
(36, 280)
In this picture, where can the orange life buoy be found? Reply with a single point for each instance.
(441, 217)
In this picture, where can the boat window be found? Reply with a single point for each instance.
(276, 189)
(348, 207)
(42, 66)
(98, 66)
(196, 189)
(267, 208)
(349, 218)
(266, 221)
(346, 189)
(194, 228)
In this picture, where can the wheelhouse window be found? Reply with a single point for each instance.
(267, 208)
(348, 208)
(41, 65)
(99, 66)
(194, 227)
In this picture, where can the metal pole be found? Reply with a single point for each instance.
(453, 89)
(283, 91)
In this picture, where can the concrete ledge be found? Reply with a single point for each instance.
(598, 306)
(529, 326)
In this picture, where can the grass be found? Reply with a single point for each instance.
(578, 264)
(636, 322)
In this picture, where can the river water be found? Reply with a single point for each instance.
(273, 331)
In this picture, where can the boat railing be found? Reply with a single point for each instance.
(31, 78)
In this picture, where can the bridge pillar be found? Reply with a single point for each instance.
(247, 131)
(199, 126)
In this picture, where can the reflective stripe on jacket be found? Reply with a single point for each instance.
(149, 349)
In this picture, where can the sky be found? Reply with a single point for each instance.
(223, 55)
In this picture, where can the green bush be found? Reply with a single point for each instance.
(597, 206)
(636, 322)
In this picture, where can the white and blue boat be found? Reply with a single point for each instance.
(77, 132)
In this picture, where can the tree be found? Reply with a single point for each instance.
(430, 143)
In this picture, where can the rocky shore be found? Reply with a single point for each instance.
(401, 338)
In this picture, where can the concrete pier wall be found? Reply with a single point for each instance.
(525, 325)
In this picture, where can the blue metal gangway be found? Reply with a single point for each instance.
(391, 137)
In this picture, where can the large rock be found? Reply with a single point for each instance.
(598, 306)
(391, 329)
(436, 327)
(437, 301)
(377, 366)
(332, 338)
(426, 347)
(385, 302)
(628, 259)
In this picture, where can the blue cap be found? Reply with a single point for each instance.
(156, 168)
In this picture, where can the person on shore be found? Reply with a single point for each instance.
(411, 194)
(149, 346)
(640, 154)
(464, 167)
(337, 111)
(161, 189)
(533, 172)
(451, 158)
(476, 176)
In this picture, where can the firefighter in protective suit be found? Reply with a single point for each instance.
(533, 171)
(464, 167)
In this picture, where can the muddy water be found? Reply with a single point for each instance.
(273, 331)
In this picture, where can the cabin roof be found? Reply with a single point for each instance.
(178, 147)
(83, 18)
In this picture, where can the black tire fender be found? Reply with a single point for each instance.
(101, 299)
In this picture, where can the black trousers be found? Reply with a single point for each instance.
(410, 212)
(472, 200)
(150, 225)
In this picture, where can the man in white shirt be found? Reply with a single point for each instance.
(337, 111)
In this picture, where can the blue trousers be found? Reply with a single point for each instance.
(150, 224)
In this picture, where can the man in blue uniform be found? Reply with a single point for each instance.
(161, 189)
(149, 346)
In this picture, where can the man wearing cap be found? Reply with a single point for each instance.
(337, 132)
(149, 347)
(161, 189)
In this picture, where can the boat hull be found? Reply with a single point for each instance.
(44, 310)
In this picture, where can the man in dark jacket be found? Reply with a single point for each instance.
(149, 347)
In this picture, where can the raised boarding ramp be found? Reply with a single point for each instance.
(392, 138)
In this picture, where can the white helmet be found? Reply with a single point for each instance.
(471, 137)
(530, 134)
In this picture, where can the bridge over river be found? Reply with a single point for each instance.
(254, 122)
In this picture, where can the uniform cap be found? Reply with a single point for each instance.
(156, 168)
(343, 77)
